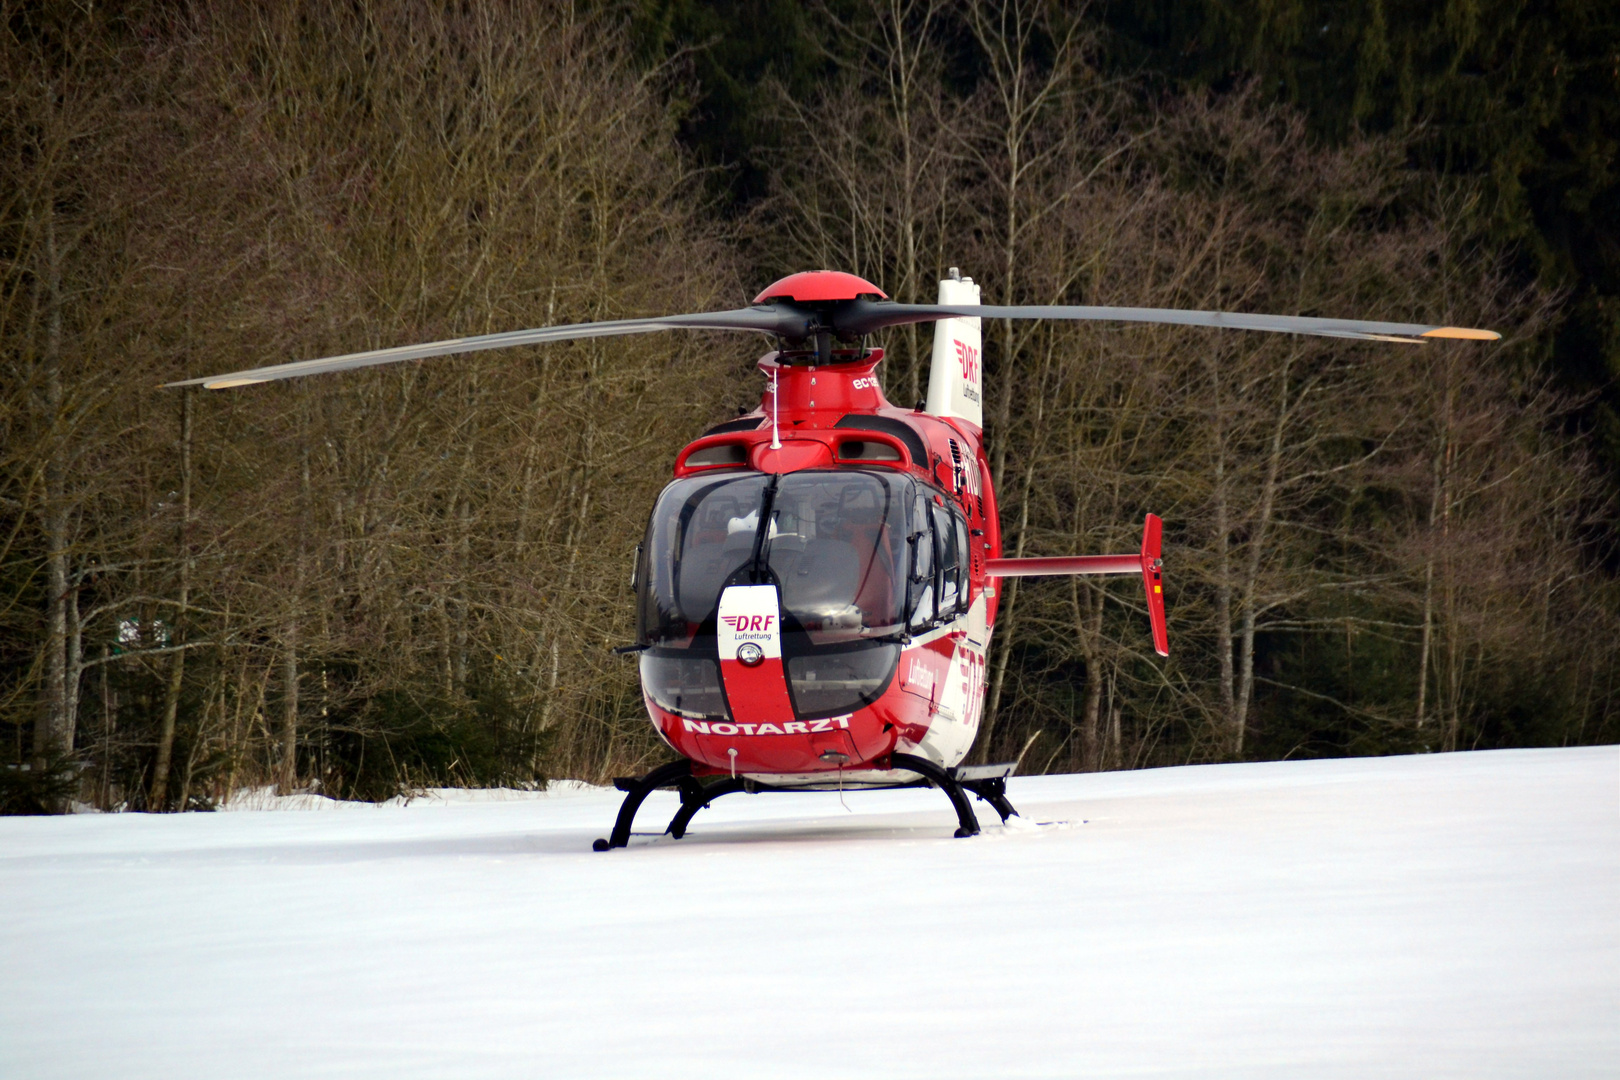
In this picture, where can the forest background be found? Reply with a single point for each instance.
(376, 582)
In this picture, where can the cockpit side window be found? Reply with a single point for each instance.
(964, 598)
(923, 589)
(950, 563)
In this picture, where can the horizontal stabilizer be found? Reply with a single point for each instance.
(1065, 565)
(1147, 562)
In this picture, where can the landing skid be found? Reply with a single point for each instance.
(674, 774)
(988, 782)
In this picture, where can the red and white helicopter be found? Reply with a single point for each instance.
(818, 584)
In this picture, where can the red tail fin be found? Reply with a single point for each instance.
(1153, 582)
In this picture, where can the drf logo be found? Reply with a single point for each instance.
(968, 357)
(743, 624)
(749, 616)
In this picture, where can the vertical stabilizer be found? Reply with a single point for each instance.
(956, 377)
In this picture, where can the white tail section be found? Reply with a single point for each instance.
(956, 377)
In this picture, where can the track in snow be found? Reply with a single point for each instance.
(1446, 915)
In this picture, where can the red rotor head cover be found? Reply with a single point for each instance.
(819, 285)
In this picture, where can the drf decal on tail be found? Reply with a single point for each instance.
(967, 357)
(956, 376)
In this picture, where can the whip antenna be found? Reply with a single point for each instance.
(776, 413)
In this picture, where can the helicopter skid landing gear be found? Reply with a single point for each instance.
(967, 822)
(988, 782)
(696, 796)
(674, 774)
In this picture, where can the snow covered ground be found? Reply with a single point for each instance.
(1449, 915)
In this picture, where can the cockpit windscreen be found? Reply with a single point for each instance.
(833, 542)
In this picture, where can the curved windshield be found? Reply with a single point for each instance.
(701, 534)
(833, 542)
(836, 548)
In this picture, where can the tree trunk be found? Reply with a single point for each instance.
(1116, 757)
(75, 668)
(462, 511)
(1091, 721)
(1251, 578)
(287, 770)
(1451, 706)
(1438, 495)
(158, 799)
(216, 693)
(1223, 576)
(1087, 602)
(104, 787)
(1428, 589)
(51, 733)
(908, 212)
(288, 767)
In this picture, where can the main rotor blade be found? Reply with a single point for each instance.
(865, 316)
(771, 319)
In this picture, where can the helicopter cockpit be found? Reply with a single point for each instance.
(860, 559)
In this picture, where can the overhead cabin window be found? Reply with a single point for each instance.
(890, 425)
(866, 450)
(723, 454)
(746, 423)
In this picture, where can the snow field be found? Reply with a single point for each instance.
(1446, 915)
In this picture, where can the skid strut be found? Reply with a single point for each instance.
(994, 792)
(988, 782)
(968, 824)
(675, 774)
(697, 797)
